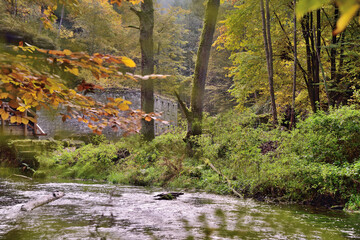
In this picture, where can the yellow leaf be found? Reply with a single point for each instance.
(24, 121)
(128, 62)
(74, 71)
(5, 115)
(67, 52)
(13, 119)
(21, 109)
(347, 14)
(123, 107)
(117, 100)
(147, 118)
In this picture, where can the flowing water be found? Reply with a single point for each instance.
(104, 211)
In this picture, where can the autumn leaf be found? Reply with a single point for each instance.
(13, 119)
(128, 62)
(123, 107)
(148, 119)
(24, 120)
(4, 115)
(305, 6)
(21, 109)
(4, 95)
(67, 52)
(98, 60)
(74, 71)
(348, 10)
(14, 104)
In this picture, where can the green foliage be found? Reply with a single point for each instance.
(318, 162)
(331, 138)
(320, 157)
(98, 139)
(354, 203)
(88, 162)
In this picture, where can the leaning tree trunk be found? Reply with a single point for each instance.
(269, 54)
(201, 66)
(146, 17)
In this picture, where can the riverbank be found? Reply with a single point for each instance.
(317, 163)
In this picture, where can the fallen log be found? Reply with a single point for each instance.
(41, 201)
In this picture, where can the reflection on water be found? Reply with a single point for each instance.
(102, 211)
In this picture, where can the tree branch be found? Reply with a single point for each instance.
(290, 45)
(137, 12)
(183, 106)
(135, 27)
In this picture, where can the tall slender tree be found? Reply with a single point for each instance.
(265, 15)
(295, 70)
(146, 18)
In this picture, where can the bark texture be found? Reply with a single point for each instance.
(201, 67)
(312, 37)
(146, 17)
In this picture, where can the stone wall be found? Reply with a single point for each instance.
(51, 122)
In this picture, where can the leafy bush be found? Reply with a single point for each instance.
(330, 138)
(319, 158)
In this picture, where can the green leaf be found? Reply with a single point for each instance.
(305, 6)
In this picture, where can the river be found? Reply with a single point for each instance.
(105, 211)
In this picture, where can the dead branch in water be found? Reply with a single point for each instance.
(41, 201)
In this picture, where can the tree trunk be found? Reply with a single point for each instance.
(201, 66)
(61, 19)
(292, 121)
(269, 54)
(317, 59)
(311, 60)
(333, 53)
(146, 17)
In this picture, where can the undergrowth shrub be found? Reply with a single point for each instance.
(319, 158)
(331, 138)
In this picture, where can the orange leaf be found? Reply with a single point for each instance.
(13, 104)
(98, 60)
(148, 119)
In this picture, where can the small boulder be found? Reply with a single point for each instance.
(168, 196)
